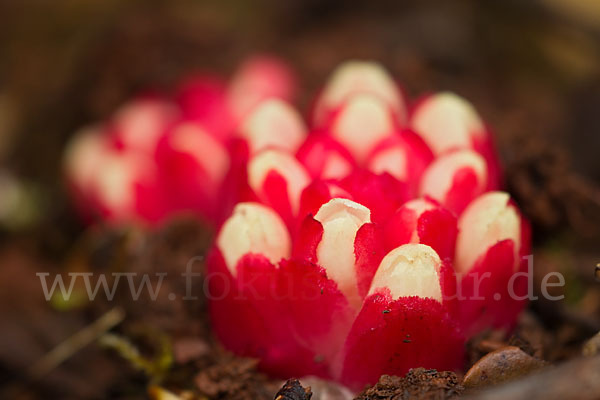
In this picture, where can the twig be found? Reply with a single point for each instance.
(73, 344)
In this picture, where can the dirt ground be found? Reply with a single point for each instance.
(531, 68)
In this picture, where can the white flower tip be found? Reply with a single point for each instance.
(273, 123)
(489, 219)
(410, 270)
(341, 219)
(258, 78)
(83, 155)
(192, 139)
(362, 123)
(437, 179)
(343, 208)
(253, 228)
(335, 167)
(107, 174)
(447, 121)
(392, 160)
(419, 206)
(115, 181)
(140, 123)
(285, 165)
(356, 77)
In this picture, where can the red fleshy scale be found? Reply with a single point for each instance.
(250, 318)
(435, 227)
(391, 336)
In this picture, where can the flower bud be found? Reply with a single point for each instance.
(455, 179)
(492, 238)
(341, 219)
(277, 179)
(488, 220)
(256, 229)
(447, 122)
(248, 306)
(112, 183)
(361, 123)
(358, 77)
(409, 270)
(83, 158)
(192, 164)
(405, 320)
(404, 156)
(259, 78)
(273, 124)
(139, 124)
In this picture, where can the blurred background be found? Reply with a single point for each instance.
(532, 69)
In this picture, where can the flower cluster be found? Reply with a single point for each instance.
(370, 240)
(158, 156)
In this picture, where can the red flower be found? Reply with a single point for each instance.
(155, 158)
(356, 255)
(318, 303)
(370, 242)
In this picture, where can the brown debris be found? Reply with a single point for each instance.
(419, 383)
(293, 390)
(502, 365)
(187, 349)
(552, 196)
(233, 379)
(326, 390)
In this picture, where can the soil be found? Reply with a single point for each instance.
(419, 383)
(531, 71)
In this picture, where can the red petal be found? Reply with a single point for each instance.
(203, 99)
(308, 239)
(368, 248)
(465, 187)
(434, 226)
(318, 193)
(416, 153)
(382, 194)
(258, 78)
(390, 337)
(484, 295)
(400, 227)
(484, 145)
(325, 158)
(438, 228)
(319, 312)
(249, 318)
(275, 194)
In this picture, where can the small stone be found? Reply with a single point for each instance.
(592, 346)
(502, 365)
